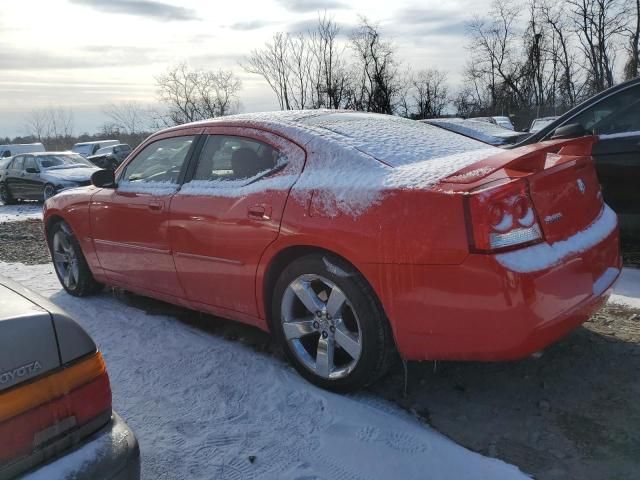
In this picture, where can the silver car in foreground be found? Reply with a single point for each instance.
(56, 419)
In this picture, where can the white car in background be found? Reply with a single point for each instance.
(11, 150)
(87, 149)
(539, 123)
(504, 122)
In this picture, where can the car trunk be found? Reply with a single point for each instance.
(54, 390)
(561, 178)
(32, 350)
(566, 195)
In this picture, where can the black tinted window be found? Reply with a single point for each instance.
(234, 158)
(617, 113)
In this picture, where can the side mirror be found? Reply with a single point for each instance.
(572, 130)
(104, 179)
(32, 170)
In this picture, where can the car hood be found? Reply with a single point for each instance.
(70, 174)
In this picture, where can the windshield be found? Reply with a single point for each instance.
(62, 160)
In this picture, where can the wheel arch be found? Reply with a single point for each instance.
(284, 257)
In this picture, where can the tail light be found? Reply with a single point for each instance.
(502, 218)
(35, 415)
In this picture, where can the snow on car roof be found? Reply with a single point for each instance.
(359, 157)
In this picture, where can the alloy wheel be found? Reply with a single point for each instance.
(49, 191)
(65, 259)
(321, 326)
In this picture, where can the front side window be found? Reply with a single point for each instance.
(158, 163)
(614, 114)
(235, 159)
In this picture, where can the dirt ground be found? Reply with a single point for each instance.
(571, 413)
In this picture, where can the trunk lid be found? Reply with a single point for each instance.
(566, 196)
(562, 181)
(29, 346)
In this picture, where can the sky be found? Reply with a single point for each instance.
(85, 54)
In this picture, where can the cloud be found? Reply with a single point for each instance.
(142, 8)
(303, 6)
(414, 22)
(87, 57)
(250, 25)
(310, 25)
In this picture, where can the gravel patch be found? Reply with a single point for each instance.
(23, 241)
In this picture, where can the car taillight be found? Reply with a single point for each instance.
(35, 414)
(502, 218)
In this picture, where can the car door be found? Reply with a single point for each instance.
(228, 212)
(15, 177)
(130, 222)
(32, 182)
(616, 122)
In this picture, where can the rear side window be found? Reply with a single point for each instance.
(235, 158)
(29, 162)
(158, 162)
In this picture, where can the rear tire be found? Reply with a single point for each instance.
(69, 262)
(6, 196)
(330, 324)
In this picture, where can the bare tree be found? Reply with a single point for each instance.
(430, 93)
(599, 24)
(190, 95)
(272, 63)
(306, 70)
(331, 75)
(52, 125)
(555, 16)
(376, 70)
(130, 118)
(37, 124)
(632, 67)
(496, 61)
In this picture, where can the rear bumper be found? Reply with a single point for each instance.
(482, 310)
(111, 453)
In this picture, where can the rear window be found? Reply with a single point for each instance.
(394, 140)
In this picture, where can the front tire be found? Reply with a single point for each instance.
(69, 262)
(330, 324)
(48, 192)
(6, 196)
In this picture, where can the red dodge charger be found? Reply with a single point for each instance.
(350, 237)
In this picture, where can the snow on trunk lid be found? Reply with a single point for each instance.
(566, 195)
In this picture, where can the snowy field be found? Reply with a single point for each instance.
(204, 407)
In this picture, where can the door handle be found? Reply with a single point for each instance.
(260, 212)
(156, 205)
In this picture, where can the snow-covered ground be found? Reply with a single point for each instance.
(202, 406)
(22, 211)
(627, 289)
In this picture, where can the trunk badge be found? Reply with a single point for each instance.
(581, 186)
